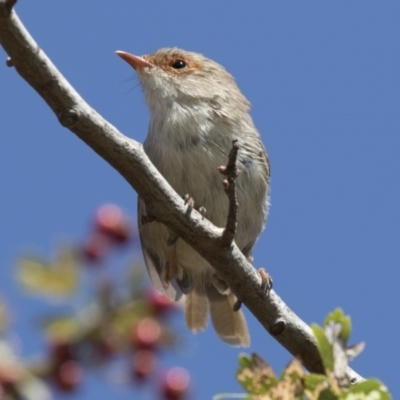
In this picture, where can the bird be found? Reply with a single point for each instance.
(196, 111)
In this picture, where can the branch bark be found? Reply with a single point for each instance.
(129, 159)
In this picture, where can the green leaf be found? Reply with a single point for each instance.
(244, 360)
(338, 316)
(312, 381)
(57, 278)
(62, 329)
(128, 315)
(255, 375)
(371, 389)
(324, 347)
(327, 394)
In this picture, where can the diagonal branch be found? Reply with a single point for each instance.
(129, 159)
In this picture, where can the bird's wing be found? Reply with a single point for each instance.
(153, 263)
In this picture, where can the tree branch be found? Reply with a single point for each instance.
(129, 159)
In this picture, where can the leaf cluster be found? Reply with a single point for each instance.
(261, 383)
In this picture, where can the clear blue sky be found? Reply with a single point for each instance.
(323, 78)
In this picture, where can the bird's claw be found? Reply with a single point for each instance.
(266, 280)
(266, 284)
(189, 201)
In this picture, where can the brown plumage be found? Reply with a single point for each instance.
(196, 111)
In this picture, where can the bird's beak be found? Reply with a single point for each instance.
(134, 61)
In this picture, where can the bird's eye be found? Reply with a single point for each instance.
(179, 64)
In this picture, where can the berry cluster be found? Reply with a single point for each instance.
(147, 338)
(111, 226)
(129, 324)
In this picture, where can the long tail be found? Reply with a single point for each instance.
(196, 310)
(230, 326)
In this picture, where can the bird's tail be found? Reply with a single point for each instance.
(230, 325)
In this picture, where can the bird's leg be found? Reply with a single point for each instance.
(147, 219)
(189, 201)
(266, 284)
(172, 239)
(266, 280)
(202, 210)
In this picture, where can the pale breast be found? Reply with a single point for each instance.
(189, 159)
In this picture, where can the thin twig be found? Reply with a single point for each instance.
(231, 172)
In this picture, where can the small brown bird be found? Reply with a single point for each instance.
(196, 111)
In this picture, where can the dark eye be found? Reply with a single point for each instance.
(179, 64)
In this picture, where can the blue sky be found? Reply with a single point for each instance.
(323, 80)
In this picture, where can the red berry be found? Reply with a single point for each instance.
(176, 384)
(68, 376)
(161, 303)
(9, 375)
(113, 222)
(107, 347)
(60, 352)
(146, 334)
(143, 364)
(96, 247)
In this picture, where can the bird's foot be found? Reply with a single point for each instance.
(189, 201)
(266, 284)
(266, 280)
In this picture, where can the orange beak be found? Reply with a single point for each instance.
(134, 61)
